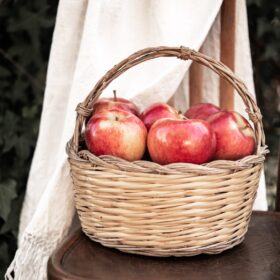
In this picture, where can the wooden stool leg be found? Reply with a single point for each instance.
(228, 22)
(196, 80)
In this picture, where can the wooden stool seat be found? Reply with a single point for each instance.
(258, 258)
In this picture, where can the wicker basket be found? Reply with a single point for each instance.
(174, 210)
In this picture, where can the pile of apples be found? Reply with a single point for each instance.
(204, 133)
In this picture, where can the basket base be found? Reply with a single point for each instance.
(182, 252)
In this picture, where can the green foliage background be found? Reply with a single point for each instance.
(26, 34)
(264, 27)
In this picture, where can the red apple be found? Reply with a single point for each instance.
(235, 137)
(158, 111)
(178, 140)
(118, 133)
(105, 104)
(201, 111)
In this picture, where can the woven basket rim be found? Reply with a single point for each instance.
(145, 166)
(84, 110)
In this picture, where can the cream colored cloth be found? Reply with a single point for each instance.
(90, 37)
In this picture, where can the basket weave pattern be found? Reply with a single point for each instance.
(178, 209)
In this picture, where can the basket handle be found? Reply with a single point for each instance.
(85, 108)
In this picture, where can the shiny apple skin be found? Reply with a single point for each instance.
(105, 104)
(175, 140)
(117, 133)
(201, 111)
(235, 136)
(157, 111)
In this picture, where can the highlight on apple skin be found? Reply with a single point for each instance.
(202, 111)
(178, 140)
(234, 134)
(117, 133)
(158, 111)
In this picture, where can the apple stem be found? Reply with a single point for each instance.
(181, 115)
(115, 95)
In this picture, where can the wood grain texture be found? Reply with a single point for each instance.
(227, 56)
(256, 258)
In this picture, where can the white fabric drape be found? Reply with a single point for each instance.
(90, 37)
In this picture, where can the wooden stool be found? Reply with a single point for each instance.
(257, 258)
